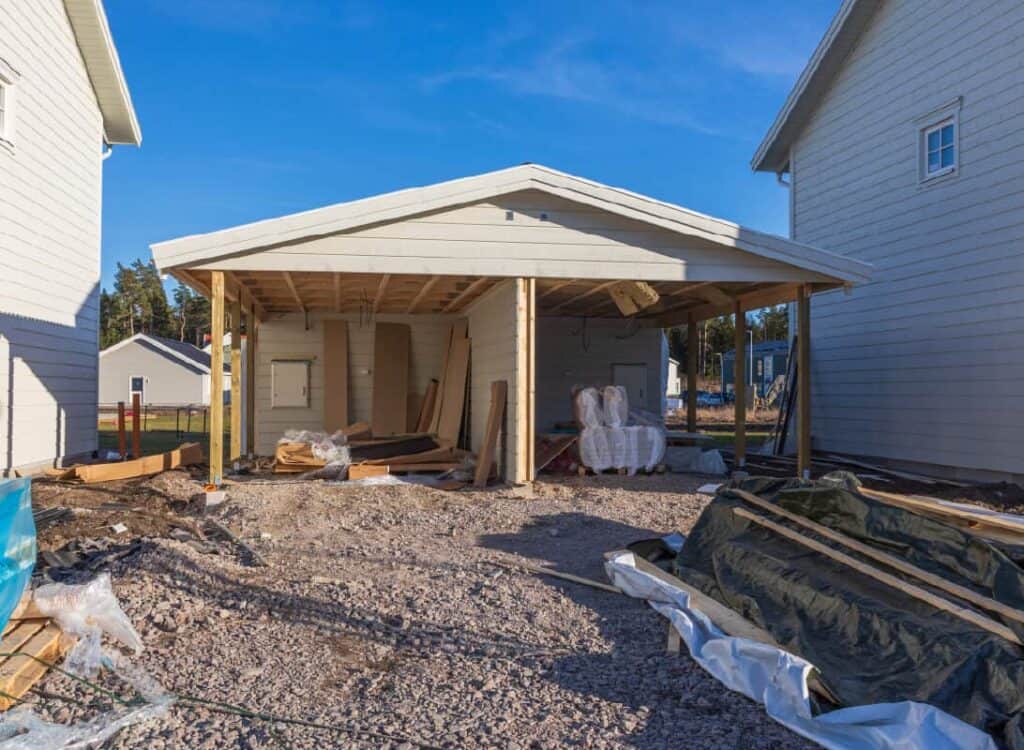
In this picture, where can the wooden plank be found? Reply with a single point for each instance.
(390, 378)
(980, 523)
(459, 329)
(896, 563)
(803, 392)
(968, 615)
(186, 455)
(235, 452)
(21, 632)
(558, 285)
(422, 293)
(357, 430)
(382, 289)
(19, 673)
(582, 296)
(739, 378)
(122, 437)
(486, 458)
(250, 380)
(427, 409)
(365, 471)
(458, 303)
(335, 375)
(216, 382)
(692, 347)
(530, 431)
(453, 401)
(291, 287)
(136, 425)
(442, 454)
(551, 447)
(428, 466)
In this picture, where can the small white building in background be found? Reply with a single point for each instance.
(63, 98)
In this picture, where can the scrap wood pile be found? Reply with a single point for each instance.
(188, 454)
(407, 432)
(891, 598)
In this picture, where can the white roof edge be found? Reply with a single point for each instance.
(772, 154)
(197, 249)
(96, 44)
(153, 342)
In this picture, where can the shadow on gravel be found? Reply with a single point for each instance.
(634, 671)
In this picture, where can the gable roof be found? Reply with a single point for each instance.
(196, 250)
(95, 42)
(840, 39)
(180, 352)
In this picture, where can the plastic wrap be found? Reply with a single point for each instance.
(331, 449)
(616, 406)
(18, 535)
(607, 442)
(589, 412)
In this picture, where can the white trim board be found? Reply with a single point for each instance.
(168, 350)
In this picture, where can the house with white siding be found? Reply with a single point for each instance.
(528, 263)
(63, 105)
(902, 146)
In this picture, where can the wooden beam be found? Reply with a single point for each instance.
(739, 379)
(940, 603)
(236, 381)
(235, 289)
(531, 378)
(250, 381)
(456, 304)
(294, 290)
(382, 287)
(217, 378)
(961, 592)
(495, 417)
(776, 294)
(692, 344)
(523, 467)
(582, 296)
(337, 292)
(423, 292)
(558, 285)
(803, 390)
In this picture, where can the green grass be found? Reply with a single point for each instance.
(159, 434)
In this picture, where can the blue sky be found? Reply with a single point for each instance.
(257, 108)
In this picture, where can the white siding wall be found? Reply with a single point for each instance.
(926, 363)
(285, 337)
(569, 354)
(50, 195)
(492, 329)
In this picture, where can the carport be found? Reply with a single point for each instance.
(511, 252)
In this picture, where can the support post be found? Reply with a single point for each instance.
(122, 438)
(691, 375)
(523, 470)
(236, 378)
(531, 412)
(136, 425)
(803, 392)
(250, 380)
(216, 377)
(739, 377)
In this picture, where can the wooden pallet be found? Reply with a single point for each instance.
(35, 636)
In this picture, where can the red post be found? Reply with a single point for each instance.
(122, 439)
(136, 426)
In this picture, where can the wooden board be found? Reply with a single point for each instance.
(453, 400)
(495, 417)
(186, 455)
(35, 637)
(459, 330)
(550, 447)
(427, 408)
(335, 375)
(981, 524)
(414, 405)
(390, 378)
(364, 471)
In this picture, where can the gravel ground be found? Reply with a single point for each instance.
(380, 612)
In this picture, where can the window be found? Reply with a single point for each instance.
(939, 142)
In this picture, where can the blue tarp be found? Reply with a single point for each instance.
(18, 541)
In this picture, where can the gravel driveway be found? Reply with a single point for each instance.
(381, 613)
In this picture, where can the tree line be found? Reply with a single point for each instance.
(138, 304)
(717, 336)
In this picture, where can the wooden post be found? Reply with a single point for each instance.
(803, 391)
(691, 375)
(136, 425)
(122, 438)
(236, 379)
(216, 377)
(739, 377)
(250, 380)
(531, 411)
(526, 306)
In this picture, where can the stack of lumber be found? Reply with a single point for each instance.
(186, 455)
(28, 634)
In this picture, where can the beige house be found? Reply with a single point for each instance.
(63, 104)
(531, 258)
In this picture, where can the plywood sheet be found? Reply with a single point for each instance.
(389, 411)
(459, 330)
(453, 400)
(485, 461)
(335, 375)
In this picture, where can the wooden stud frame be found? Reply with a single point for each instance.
(692, 345)
(217, 377)
(803, 392)
(236, 380)
(739, 377)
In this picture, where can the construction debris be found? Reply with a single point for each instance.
(188, 454)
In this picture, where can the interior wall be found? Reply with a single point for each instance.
(492, 329)
(571, 352)
(286, 337)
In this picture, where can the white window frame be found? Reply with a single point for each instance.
(8, 78)
(937, 121)
(132, 391)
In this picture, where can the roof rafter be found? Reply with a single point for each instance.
(294, 290)
(583, 295)
(455, 305)
(382, 287)
(423, 292)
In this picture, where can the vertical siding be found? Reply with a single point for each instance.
(925, 363)
(492, 328)
(570, 353)
(286, 337)
(50, 197)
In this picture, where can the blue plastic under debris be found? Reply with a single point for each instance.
(18, 541)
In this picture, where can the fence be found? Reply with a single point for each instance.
(184, 420)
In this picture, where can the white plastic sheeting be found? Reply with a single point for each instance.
(778, 680)
(606, 442)
(693, 459)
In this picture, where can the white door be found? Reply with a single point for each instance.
(634, 379)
